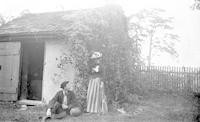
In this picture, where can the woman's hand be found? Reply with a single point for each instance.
(102, 84)
(64, 106)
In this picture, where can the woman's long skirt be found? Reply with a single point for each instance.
(96, 99)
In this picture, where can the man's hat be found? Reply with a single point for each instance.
(63, 84)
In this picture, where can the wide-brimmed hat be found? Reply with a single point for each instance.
(96, 55)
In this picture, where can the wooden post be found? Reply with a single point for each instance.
(24, 78)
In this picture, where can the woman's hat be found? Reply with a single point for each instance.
(96, 55)
(63, 84)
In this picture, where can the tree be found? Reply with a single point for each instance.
(137, 36)
(104, 30)
(153, 26)
(196, 5)
(6, 19)
(2, 20)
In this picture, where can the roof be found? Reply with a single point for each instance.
(38, 22)
(49, 22)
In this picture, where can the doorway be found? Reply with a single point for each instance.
(32, 70)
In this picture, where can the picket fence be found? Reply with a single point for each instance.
(167, 78)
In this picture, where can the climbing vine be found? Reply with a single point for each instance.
(103, 30)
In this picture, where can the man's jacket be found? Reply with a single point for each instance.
(71, 99)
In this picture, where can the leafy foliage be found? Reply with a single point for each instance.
(2, 20)
(196, 5)
(104, 30)
(152, 25)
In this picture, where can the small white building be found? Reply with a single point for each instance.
(32, 46)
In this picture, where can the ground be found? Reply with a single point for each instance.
(158, 108)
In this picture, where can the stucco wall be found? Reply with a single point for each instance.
(52, 75)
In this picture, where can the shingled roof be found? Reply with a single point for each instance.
(50, 22)
(54, 21)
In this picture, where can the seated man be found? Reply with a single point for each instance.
(63, 103)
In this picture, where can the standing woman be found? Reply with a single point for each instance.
(96, 99)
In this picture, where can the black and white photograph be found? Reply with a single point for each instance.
(100, 61)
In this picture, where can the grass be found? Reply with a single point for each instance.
(156, 108)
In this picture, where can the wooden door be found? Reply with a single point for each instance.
(9, 70)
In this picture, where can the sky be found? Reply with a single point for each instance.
(186, 21)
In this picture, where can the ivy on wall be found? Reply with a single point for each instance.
(104, 30)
